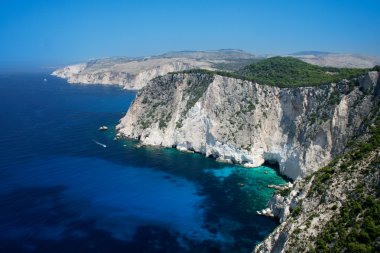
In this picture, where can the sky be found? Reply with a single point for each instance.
(54, 33)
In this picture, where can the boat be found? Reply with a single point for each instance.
(100, 144)
(103, 128)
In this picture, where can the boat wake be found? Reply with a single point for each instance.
(100, 144)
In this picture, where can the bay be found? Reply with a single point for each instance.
(62, 192)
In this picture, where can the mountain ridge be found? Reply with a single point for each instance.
(135, 72)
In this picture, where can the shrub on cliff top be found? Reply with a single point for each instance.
(289, 71)
(376, 68)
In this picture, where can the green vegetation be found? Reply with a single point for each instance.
(288, 72)
(376, 68)
(234, 65)
(284, 192)
(356, 227)
(297, 210)
(163, 123)
(145, 100)
(359, 151)
(194, 91)
(312, 118)
(251, 106)
(319, 183)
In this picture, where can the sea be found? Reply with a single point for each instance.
(65, 186)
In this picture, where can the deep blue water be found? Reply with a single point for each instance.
(62, 192)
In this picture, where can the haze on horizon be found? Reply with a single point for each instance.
(51, 33)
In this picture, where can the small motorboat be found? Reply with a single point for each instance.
(103, 128)
(100, 144)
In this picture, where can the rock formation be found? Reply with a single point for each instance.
(232, 120)
(132, 75)
(331, 210)
(325, 137)
(135, 73)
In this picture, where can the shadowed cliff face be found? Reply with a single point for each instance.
(243, 122)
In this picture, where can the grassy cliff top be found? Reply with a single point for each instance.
(288, 72)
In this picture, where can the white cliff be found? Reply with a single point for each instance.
(132, 75)
(243, 122)
(313, 213)
(135, 73)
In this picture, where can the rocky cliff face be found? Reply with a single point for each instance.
(232, 120)
(337, 208)
(135, 73)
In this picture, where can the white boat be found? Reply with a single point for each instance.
(103, 128)
(100, 144)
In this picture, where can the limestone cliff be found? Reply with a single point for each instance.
(132, 75)
(336, 209)
(135, 73)
(243, 122)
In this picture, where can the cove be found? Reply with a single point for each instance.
(61, 192)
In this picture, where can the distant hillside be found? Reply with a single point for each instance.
(223, 59)
(328, 59)
(222, 54)
(288, 71)
(134, 73)
(312, 52)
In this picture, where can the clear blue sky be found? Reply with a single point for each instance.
(60, 32)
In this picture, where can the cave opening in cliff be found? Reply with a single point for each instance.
(272, 164)
(276, 167)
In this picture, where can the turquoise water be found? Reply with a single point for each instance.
(62, 192)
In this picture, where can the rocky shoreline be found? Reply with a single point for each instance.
(302, 129)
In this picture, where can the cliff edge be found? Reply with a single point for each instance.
(337, 208)
(233, 120)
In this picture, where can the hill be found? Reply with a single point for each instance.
(288, 71)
